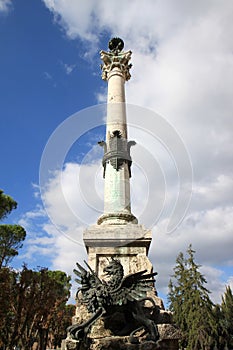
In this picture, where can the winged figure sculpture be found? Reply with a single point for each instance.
(117, 294)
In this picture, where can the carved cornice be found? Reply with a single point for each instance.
(118, 60)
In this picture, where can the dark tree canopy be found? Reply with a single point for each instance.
(29, 301)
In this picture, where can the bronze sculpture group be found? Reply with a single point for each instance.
(117, 295)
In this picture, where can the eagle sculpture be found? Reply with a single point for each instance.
(118, 294)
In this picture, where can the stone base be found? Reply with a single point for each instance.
(115, 343)
(71, 344)
(121, 343)
(129, 243)
(117, 236)
(169, 332)
(103, 331)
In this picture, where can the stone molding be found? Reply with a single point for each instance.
(117, 236)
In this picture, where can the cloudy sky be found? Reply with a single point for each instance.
(180, 114)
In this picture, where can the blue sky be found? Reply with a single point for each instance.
(44, 79)
(182, 70)
(37, 93)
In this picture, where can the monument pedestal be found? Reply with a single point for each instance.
(120, 240)
(122, 343)
(129, 243)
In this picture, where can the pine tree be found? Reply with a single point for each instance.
(11, 236)
(227, 316)
(222, 335)
(191, 304)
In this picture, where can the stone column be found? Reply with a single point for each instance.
(117, 232)
(116, 160)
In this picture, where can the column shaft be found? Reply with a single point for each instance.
(116, 161)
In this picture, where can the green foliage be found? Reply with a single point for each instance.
(221, 339)
(7, 282)
(190, 302)
(11, 236)
(29, 301)
(227, 316)
(224, 319)
(7, 204)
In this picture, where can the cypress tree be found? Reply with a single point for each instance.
(190, 302)
(227, 316)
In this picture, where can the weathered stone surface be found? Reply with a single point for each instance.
(169, 331)
(81, 314)
(98, 330)
(71, 344)
(117, 236)
(122, 343)
(129, 243)
(116, 62)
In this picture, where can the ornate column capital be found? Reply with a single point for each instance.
(116, 58)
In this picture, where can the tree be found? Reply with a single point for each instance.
(29, 299)
(59, 292)
(221, 331)
(190, 302)
(227, 316)
(7, 204)
(11, 236)
(33, 298)
(60, 320)
(7, 279)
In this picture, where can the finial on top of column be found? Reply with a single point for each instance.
(116, 58)
(116, 45)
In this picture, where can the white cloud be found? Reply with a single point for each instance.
(230, 282)
(71, 198)
(212, 194)
(182, 65)
(214, 284)
(210, 233)
(183, 69)
(48, 76)
(5, 6)
(47, 246)
(74, 202)
(68, 67)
